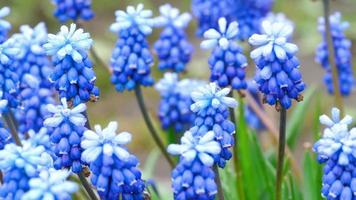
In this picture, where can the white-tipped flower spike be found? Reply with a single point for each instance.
(335, 119)
(133, 17)
(191, 147)
(278, 17)
(68, 41)
(336, 22)
(63, 112)
(105, 141)
(171, 15)
(167, 83)
(222, 36)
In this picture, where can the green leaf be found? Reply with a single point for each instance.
(150, 164)
(312, 180)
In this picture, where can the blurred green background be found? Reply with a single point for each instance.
(123, 108)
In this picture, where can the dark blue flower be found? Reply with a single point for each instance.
(73, 10)
(173, 48)
(131, 59)
(277, 74)
(343, 55)
(5, 26)
(114, 170)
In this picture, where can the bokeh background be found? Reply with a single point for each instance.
(122, 107)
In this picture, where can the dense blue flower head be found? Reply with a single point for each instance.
(5, 26)
(50, 184)
(73, 10)
(68, 127)
(277, 74)
(174, 108)
(114, 170)
(131, 59)
(336, 148)
(208, 13)
(73, 75)
(211, 106)
(193, 177)
(5, 136)
(250, 116)
(173, 48)
(227, 62)
(343, 55)
(19, 164)
(249, 14)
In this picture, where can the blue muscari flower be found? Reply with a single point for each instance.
(278, 17)
(73, 75)
(211, 107)
(19, 164)
(343, 55)
(227, 62)
(208, 12)
(174, 107)
(68, 127)
(73, 10)
(5, 26)
(41, 138)
(193, 177)
(277, 74)
(250, 116)
(336, 149)
(114, 170)
(131, 59)
(50, 184)
(173, 48)
(249, 14)
(5, 136)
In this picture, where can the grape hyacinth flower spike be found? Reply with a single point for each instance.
(335, 150)
(173, 48)
(193, 177)
(227, 62)
(50, 184)
(343, 55)
(5, 136)
(73, 76)
(73, 10)
(5, 26)
(68, 127)
(114, 170)
(131, 59)
(277, 74)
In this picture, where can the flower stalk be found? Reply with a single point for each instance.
(281, 151)
(10, 121)
(218, 182)
(87, 186)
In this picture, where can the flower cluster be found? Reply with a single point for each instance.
(343, 55)
(5, 26)
(173, 48)
(114, 170)
(131, 59)
(174, 107)
(19, 165)
(73, 75)
(193, 177)
(68, 127)
(73, 10)
(335, 149)
(211, 107)
(227, 62)
(277, 74)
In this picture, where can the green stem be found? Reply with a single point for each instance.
(87, 186)
(218, 182)
(281, 151)
(331, 52)
(150, 127)
(11, 125)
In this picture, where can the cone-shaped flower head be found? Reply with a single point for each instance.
(51, 184)
(68, 127)
(343, 55)
(5, 26)
(227, 62)
(131, 59)
(114, 169)
(73, 76)
(73, 10)
(277, 74)
(173, 48)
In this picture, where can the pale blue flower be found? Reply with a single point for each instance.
(222, 36)
(5, 26)
(63, 112)
(51, 185)
(278, 17)
(133, 17)
(335, 22)
(192, 147)
(335, 119)
(172, 16)
(68, 42)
